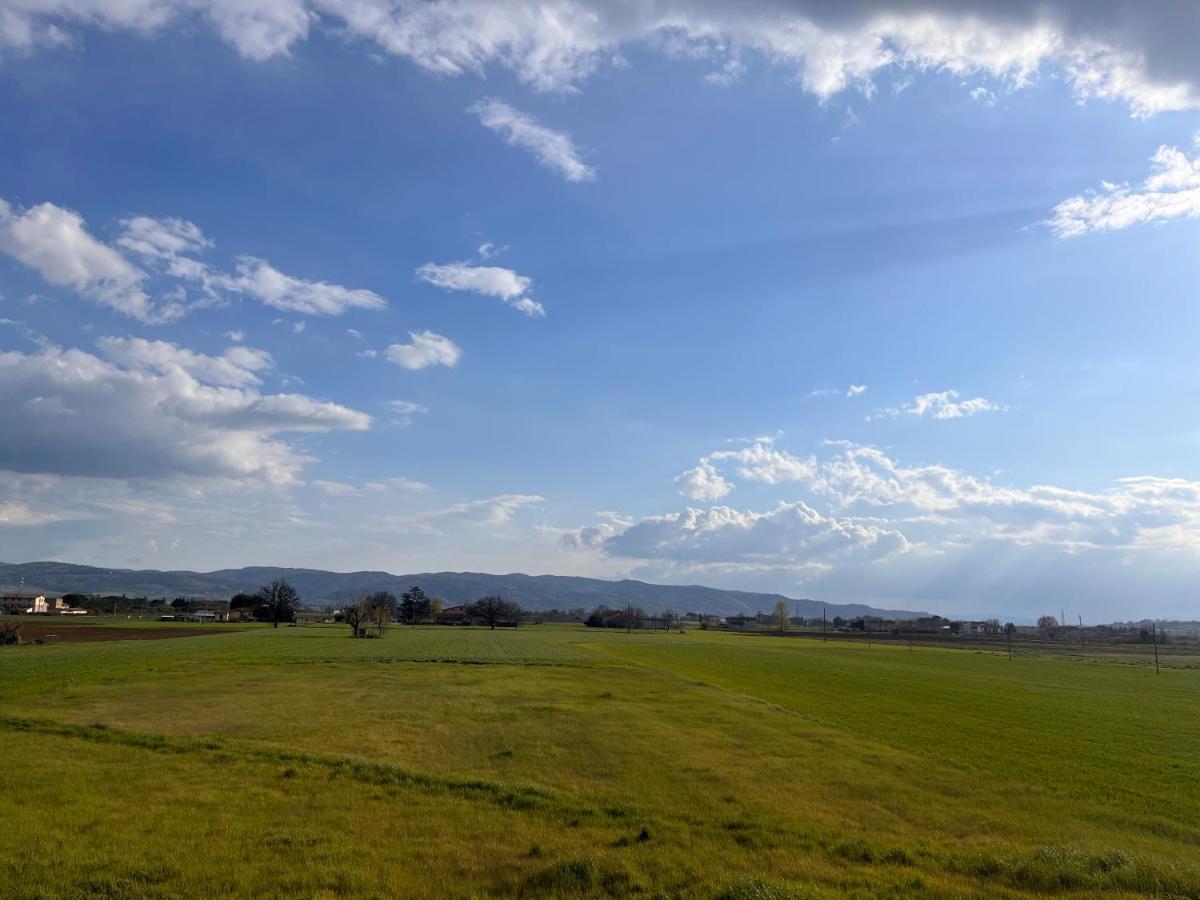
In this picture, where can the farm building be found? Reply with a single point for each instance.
(18, 601)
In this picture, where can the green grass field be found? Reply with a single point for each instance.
(562, 761)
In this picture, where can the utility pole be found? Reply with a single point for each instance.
(1154, 637)
(867, 622)
(1081, 644)
(822, 624)
(628, 618)
(1009, 631)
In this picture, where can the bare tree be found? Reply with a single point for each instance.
(670, 619)
(780, 618)
(277, 602)
(382, 606)
(357, 615)
(1048, 624)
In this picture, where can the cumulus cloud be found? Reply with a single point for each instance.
(941, 405)
(491, 281)
(424, 350)
(552, 149)
(154, 410)
(1135, 513)
(703, 482)
(866, 520)
(236, 367)
(162, 238)
(1171, 191)
(763, 462)
(792, 536)
(1142, 54)
(273, 288)
(56, 243)
(760, 461)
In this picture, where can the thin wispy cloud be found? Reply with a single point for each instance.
(552, 149)
(940, 405)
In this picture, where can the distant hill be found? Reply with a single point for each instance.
(318, 586)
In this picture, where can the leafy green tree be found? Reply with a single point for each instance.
(277, 602)
(494, 610)
(243, 601)
(780, 618)
(412, 602)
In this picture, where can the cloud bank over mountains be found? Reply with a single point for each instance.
(857, 515)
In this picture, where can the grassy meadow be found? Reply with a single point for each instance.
(563, 761)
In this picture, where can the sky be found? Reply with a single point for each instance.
(882, 301)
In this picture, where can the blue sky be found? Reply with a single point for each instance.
(895, 306)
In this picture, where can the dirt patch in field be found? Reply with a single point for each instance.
(76, 634)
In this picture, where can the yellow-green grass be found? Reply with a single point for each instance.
(564, 761)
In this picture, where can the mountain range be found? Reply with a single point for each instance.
(318, 587)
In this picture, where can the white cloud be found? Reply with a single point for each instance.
(853, 390)
(792, 536)
(762, 462)
(424, 350)
(154, 411)
(404, 410)
(491, 281)
(941, 405)
(162, 238)
(1137, 513)
(494, 512)
(552, 149)
(17, 512)
(56, 243)
(703, 483)
(1142, 54)
(236, 336)
(1172, 191)
(983, 96)
(872, 526)
(237, 367)
(261, 280)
